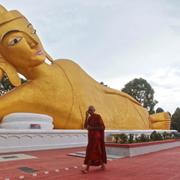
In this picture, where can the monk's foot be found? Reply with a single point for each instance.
(103, 167)
(84, 171)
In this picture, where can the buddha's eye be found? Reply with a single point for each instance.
(14, 41)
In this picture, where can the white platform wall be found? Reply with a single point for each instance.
(27, 140)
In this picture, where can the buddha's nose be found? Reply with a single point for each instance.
(33, 43)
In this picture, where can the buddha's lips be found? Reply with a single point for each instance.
(39, 52)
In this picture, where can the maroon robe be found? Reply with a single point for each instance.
(95, 151)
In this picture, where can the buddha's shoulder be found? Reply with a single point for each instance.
(68, 65)
(65, 62)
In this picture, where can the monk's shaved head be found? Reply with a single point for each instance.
(91, 109)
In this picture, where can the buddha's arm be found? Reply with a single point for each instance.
(20, 99)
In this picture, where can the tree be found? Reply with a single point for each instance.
(142, 91)
(102, 83)
(175, 120)
(159, 109)
(6, 86)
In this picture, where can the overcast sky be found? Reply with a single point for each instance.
(114, 41)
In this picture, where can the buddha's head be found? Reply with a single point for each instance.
(20, 46)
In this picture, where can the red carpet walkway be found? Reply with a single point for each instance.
(56, 165)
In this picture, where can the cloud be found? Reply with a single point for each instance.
(166, 83)
(166, 77)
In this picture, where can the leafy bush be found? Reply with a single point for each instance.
(123, 138)
(116, 138)
(134, 138)
(176, 135)
(131, 138)
(120, 138)
(155, 136)
(165, 135)
(144, 138)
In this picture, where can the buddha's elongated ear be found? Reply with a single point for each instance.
(10, 71)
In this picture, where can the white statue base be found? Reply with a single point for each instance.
(27, 121)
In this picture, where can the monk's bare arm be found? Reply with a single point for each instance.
(86, 121)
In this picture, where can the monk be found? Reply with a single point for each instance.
(95, 151)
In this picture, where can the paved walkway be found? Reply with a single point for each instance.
(57, 165)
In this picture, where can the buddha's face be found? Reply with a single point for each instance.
(21, 49)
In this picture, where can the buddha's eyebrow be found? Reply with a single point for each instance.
(29, 25)
(5, 34)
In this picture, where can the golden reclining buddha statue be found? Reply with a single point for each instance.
(60, 89)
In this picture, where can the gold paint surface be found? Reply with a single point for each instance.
(62, 89)
(160, 120)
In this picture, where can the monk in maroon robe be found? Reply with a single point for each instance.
(95, 151)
